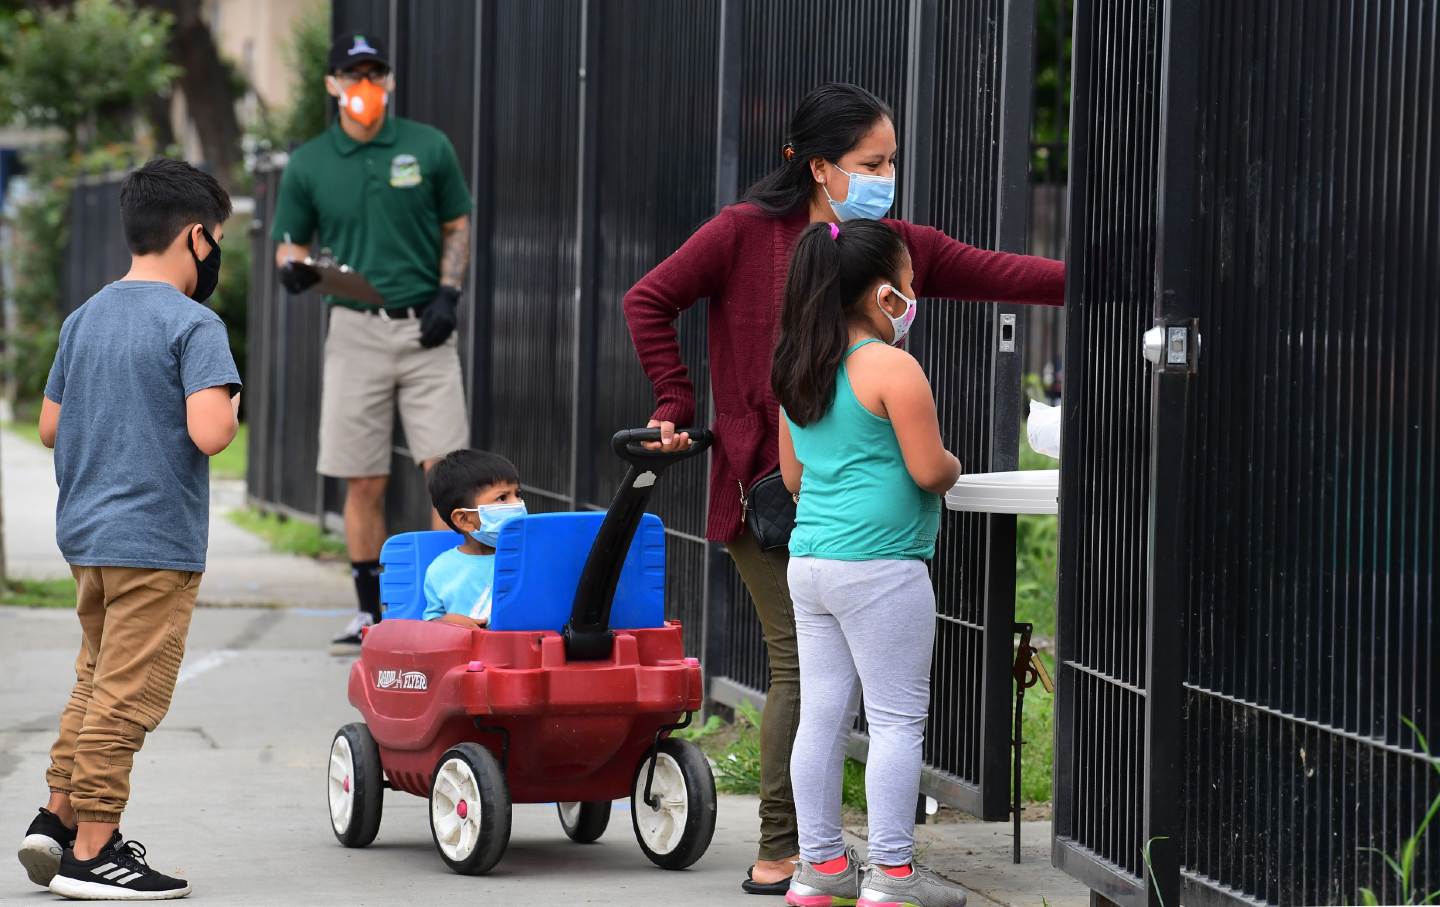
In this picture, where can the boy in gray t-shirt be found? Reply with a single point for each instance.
(142, 393)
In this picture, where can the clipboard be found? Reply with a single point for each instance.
(336, 279)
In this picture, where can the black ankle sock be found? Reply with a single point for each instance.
(367, 586)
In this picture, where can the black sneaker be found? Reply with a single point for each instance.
(118, 873)
(45, 840)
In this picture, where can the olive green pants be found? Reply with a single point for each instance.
(764, 573)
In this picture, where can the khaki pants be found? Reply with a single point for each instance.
(135, 622)
(764, 573)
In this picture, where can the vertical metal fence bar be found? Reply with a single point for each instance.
(1176, 308)
(587, 238)
(919, 135)
(1006, 337)
(717, 640)
(482, 166)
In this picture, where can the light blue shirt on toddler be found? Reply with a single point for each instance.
(460, 583)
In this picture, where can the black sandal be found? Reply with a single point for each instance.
(750, 886)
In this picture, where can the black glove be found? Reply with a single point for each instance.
(297, 278)
(437, 321)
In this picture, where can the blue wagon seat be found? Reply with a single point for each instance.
(537, 568)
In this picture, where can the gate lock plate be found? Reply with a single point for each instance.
(1173, 347)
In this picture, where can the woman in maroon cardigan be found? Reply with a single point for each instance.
(839, 162)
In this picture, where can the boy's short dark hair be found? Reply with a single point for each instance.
(165, 196)
(462, 474)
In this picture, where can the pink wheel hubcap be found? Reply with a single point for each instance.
(346, 784)
(461, 809)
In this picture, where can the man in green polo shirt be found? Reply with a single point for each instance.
(388, 198)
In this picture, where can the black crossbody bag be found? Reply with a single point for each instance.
(768, 511)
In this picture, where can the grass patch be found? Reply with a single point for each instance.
(26, 429)
(290, 536)
(38, 593)
(1037, 539)
(230, 463)
(1037, 758)
(735, 750)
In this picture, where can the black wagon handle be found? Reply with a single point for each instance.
(626, 445)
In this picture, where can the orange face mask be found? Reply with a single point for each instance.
(364, 102)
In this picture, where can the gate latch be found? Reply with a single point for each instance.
(1007, 333)
(1172, 346)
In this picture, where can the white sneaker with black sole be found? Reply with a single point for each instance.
(118, 873)
(45, 840)
(348, 642)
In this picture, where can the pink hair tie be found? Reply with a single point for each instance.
(834, 231)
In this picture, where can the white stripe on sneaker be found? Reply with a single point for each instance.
(112, 876)
(101, 870)
(128, 879)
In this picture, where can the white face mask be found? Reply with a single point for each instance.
(901, 325)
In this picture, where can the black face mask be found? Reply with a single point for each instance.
(207, 271)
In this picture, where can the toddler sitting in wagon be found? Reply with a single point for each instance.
(475, 492)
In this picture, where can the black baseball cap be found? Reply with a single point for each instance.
(352, 48)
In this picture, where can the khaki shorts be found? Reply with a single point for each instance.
(371, 364)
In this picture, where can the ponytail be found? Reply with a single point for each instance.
(828, 122)
(830, 271)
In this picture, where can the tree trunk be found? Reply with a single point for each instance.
(205, 80)
(157, 113)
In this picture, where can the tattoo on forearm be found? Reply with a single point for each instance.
(455, 255)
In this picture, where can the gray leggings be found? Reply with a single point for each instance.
(872, 621)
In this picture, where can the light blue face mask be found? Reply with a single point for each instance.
(492, 517)
(869, 198)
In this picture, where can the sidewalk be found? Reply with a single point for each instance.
(229, 789)
(241, 569)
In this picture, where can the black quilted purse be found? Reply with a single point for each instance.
(768, 511)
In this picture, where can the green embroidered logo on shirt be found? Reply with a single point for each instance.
(404, 171)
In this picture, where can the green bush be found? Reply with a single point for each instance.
(85, 68)
(41, 237)
(307, 54)
(231, 299)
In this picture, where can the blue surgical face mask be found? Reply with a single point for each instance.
(492, 517)
(869, 198)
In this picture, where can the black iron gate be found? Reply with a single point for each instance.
(1250, 527)
(598, 135)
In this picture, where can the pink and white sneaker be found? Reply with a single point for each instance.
(809, 887)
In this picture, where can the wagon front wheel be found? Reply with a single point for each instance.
(469, 809)
(584, 822)
(674, 829)
(354, 788)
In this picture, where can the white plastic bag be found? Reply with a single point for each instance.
(1044, 429)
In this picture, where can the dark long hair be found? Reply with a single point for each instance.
(830, 121)
(828, 279)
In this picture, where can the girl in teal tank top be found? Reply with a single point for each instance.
(860, 442)
(859, 502)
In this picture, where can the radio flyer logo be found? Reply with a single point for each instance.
(401, 680)
(404, 171)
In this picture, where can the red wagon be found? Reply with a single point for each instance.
(569, 696)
